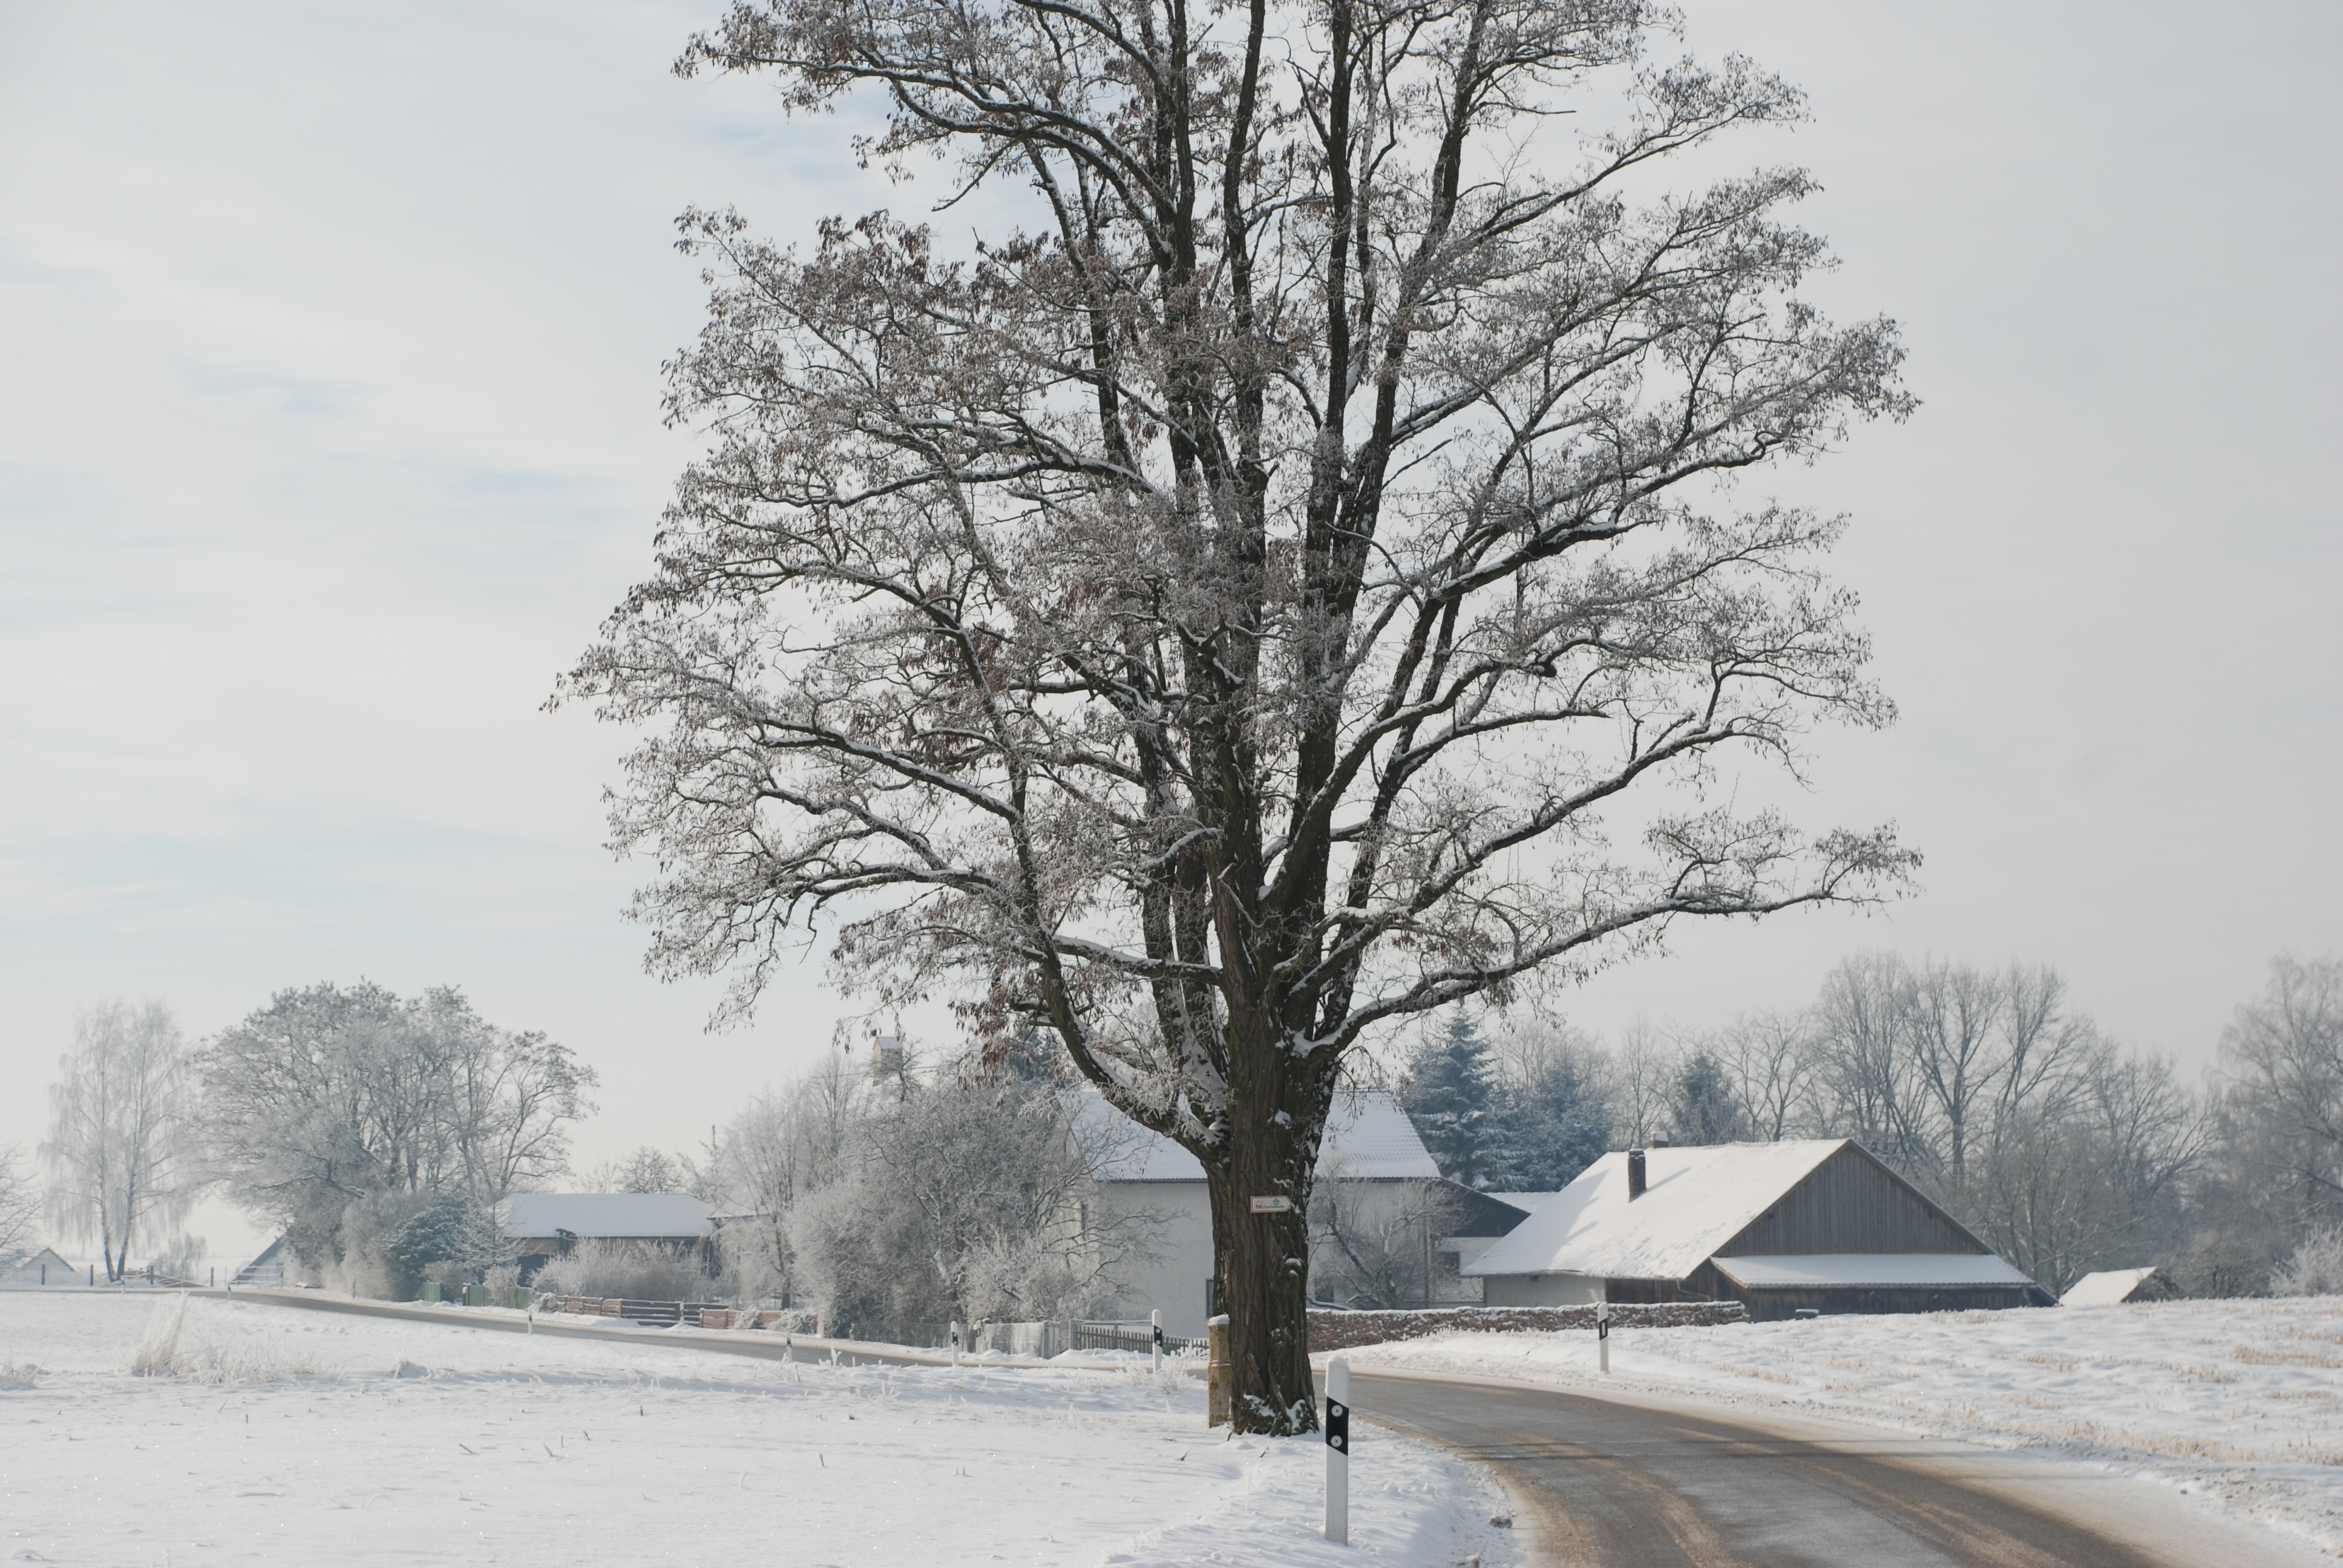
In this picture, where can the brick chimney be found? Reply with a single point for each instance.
(1634, 1174)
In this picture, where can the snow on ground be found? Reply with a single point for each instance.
(297, 1436)
(2238, 1404)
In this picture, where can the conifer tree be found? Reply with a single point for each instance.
(1447, 1096)
(1547, 1129)
(1705, 1112)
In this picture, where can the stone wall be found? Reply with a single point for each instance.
(1336, 1330)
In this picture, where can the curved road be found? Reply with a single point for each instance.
(1652, 1483)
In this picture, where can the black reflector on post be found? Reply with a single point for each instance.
(1338, 1426)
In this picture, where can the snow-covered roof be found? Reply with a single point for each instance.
(1368, 1138)
(1858, 1270)
(1527, 1203)
(663, 1216)
(24, 1268)
(1372, 1139)
(1696, 1199)
(2108, 1288)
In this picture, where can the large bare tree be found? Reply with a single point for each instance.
(1210, 620)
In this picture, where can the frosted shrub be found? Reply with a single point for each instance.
(162, 1353)
(633, 1269)
(158, 1348)
(2315, 1270)
(223, 1365)
(19, 1375)
(1175, 1376)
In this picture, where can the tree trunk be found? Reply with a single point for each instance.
(1263, 1262)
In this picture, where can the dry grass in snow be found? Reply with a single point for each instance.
(305, 1437)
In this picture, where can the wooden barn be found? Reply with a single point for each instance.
(1815, 1224)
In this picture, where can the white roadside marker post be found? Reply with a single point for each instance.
(1155, 1327)
(1338, 1452)
(1602, 1333)
(955, 1332)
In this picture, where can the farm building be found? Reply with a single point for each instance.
(2114, 1287)
(1815, 1225)
(1378, 1190)
(542, 1226)
(43, 1267)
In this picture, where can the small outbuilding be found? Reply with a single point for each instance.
(45, 1267)
(1807, 1224)
(2113, 1288)
(542, 1226)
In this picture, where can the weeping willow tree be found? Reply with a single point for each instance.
(1209, 621)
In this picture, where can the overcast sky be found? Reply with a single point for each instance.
(330, 339)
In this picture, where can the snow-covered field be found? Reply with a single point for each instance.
(291, 1436)
(2239, 1404)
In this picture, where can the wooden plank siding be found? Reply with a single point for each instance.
(1852, 1203)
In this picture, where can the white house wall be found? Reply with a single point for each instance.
(1543, 1290)
(1173, 1222)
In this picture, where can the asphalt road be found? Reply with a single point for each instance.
(1656, 1484)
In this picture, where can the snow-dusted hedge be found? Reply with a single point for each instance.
(1337, 1331)
(637, 1270)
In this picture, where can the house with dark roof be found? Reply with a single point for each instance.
(542, 1226)
(1815, 1224)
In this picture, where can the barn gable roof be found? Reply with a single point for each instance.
(1368, 1138)
(641, 1216)
(1696, 1201)
(24, 1268)
(2108, 1288)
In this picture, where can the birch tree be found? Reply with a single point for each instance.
(121, 1151)
(20, 1201)
(1211, 620)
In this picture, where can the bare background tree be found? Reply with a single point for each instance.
(2278, 1125)
(1376, 1243)
(786, 1146)
(646, 1170)
(380, 1131)
(1213, 621)
(961, 1200)
(121, 1152)
(1770, 1060)
(20, 1201)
